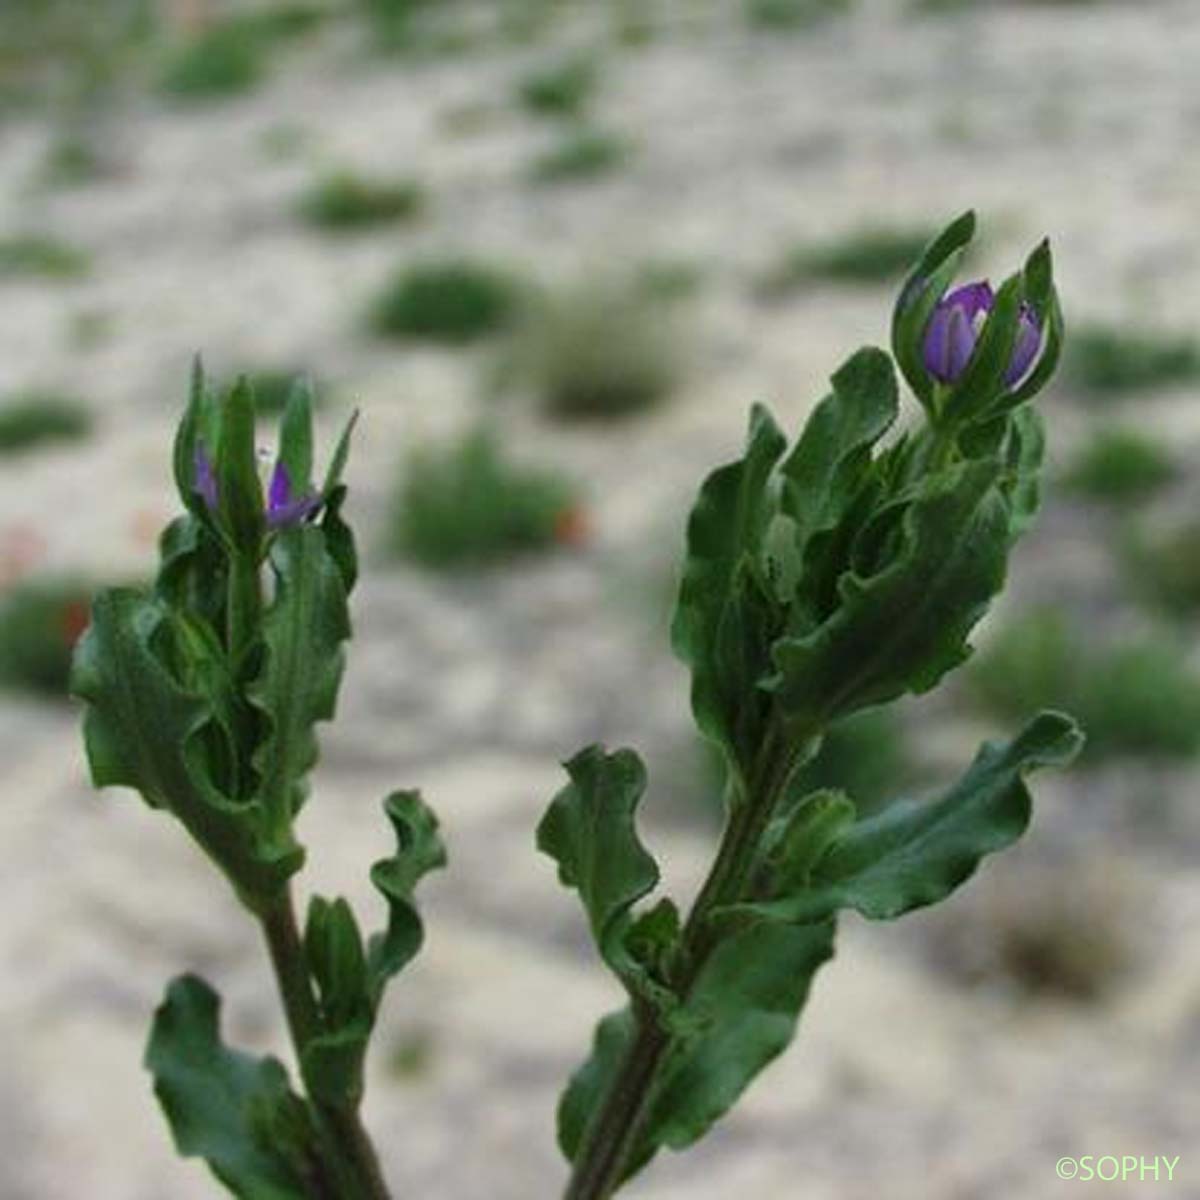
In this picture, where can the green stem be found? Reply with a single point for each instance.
(348, 1154)
(602, 1160)
(243, 608)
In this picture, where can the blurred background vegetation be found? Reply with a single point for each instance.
(553, 251)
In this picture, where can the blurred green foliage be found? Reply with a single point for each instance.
(40, 621)
(1121, 465)
(582, 153)
(218, 62)
(1164, 566)
(1136, 697)
(1111, 360)
(30, 419)
(560, 89)
(450, 300)
(598, 349)
(875, 254)
(38, 254)
(346, 201)
(467, 505)
(793, 14)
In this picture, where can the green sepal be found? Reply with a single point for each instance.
(341, 453)
(235, 1111)
(296, 437)
(189, 438)
(302, 634)
(914, 854)
(239, 491)
(145, 730)
(419, 850)
(1042, 296)
(926, 570)
(717, 625)
(339, 538)
(589, 831)
(919, 296)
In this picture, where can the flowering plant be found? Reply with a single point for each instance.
(819, 580)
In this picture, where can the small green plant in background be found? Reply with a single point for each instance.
(40, 622)
(876, 254)
(40, 255)
(1121, 464)
(346, 201)
(453, 300)
(32, 419)
(1111, 360)
(1163, 565)
(583, 153)
(221, 61)
(467, 504)
(1137, 696)
(794, 14)
(599, 349)
(560, 89)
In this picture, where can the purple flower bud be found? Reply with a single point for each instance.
(282, 509)
(954, 329)
(204, 482)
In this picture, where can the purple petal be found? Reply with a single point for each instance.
(279, 492)
(937, 344)
(204, 480)
(293, 513)
(971, 298)
(961, 338)
(1026, 347)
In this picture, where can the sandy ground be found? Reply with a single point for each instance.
(1081, 123)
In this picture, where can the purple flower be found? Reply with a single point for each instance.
(282, 508)
(954, 329)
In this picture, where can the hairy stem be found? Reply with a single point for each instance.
(611, 1138)
(346, 1147)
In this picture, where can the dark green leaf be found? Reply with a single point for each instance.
(341, 453)
(303, 631)
(234, 1111)
(823, 471)
(913, 854)
(339, 538)
(904, 624)
(739, 1014)
(715, 616)
(144, 730)
(419, 850)
(589, 831)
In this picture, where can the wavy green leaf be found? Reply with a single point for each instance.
(902, 627)
(302, 632)
(590, 833)
(914, 854)
(235, 1111)
(144, 730)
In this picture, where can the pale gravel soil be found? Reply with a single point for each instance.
(1081, 123)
